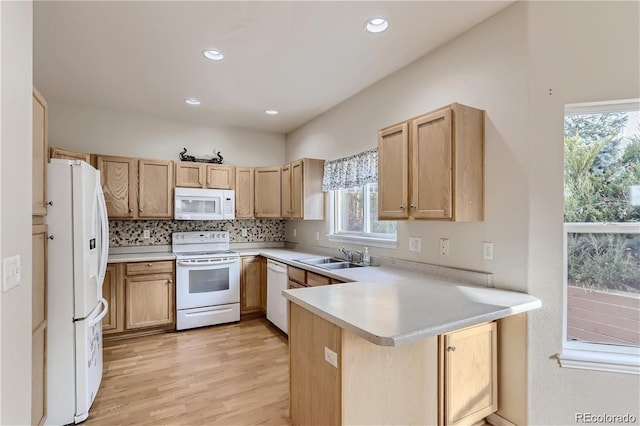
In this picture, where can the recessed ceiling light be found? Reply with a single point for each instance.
(271, 112)
(213, 54)
(377, 25)
(192, 101)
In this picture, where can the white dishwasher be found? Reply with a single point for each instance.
(276, 303)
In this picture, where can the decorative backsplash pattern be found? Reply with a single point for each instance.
(123, 233)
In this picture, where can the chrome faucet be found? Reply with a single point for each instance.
(346, 253)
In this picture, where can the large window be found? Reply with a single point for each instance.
(355, 216)
(602, 236)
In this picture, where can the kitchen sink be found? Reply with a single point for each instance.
(339, 265)
(320, 260)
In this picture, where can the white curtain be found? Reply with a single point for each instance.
(350, 172)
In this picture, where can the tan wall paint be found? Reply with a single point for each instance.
(15, 207)
(136, 135)
(584, 51)
(506, 66)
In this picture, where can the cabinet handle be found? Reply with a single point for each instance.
(413, 206)
(401, 206)
(169, 281)
(149, 265)
(140, 210)
(451, 348)
(50, 203)
(50, 237)
(130, 210)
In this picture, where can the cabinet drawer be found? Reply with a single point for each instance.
(296, 274)
(315, 279)
(149, 267)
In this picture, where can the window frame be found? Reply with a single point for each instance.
(591, 355)
(362, 238)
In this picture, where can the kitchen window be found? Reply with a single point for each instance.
(601, 327)
(352, 183)
(354, 217)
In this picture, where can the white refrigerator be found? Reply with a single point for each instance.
(77, 261)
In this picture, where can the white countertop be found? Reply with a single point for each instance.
(392, 313)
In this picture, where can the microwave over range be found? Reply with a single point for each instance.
(204, 204)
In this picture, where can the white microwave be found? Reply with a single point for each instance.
(204, 204)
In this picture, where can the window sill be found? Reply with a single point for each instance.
(600, 361)
(364, 241)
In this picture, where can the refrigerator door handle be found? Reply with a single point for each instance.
(104, 224)
(102, 314)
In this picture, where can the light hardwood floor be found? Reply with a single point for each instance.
(235, 374)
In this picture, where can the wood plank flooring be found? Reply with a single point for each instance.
(235, 374)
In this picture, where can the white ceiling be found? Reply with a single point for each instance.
(301, 58)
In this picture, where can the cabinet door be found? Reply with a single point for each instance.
(190, 175)
(285, 191)
(297, 190)
(40, 155)
(149, 301)
(110, 293)
(251, 280)
(221, 177)
(431, 151)
(317, 279)
(65, 154)
(393, 172)
(267, 193)
(118, 176)
(244, 193)
(155, 189)
(39, 324)
(469, 376)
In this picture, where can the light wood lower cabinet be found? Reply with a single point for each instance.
(406, 384)
(252, 284)
(141, 297)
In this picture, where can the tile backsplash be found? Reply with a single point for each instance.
(123, 233)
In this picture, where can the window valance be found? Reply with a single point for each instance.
(353, 171)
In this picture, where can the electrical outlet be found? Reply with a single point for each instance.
(317, 236)
(244, 232)
(331, 357)
(444, 246)
(415, 244)
(146, 234)
(295, 232)
(487, 251)
(11, 272)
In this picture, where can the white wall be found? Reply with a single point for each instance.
(483, 68)
(15, 206)
(128, 134)
(584, 51)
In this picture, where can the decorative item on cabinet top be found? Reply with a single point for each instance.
(216, 159)
(123, 233)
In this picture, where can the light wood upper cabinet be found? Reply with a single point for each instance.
(119, 178)
(202, 175)
(149, 295)
(65, 154)
(443, 163)
(136, 189)
(221, 177)
(468, 375)
(302, 196)
(155, 189)
(40, 153)
(393, 172)
(252, 280)
(190, 175)
(244, 193)
(267, 193)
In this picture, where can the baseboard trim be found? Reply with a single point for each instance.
(496, 420)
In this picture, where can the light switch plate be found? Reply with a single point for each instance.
(11, 272)
(146, 234)
(317, 236)
(331, 357)
(295, 232)
(415, 244)
(487, 251)
(244, 232)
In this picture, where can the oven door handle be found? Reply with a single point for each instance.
(192, 264)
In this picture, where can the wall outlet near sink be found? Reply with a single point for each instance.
(146, 234)
(444, 246)
(244, 232)
(415, 244)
